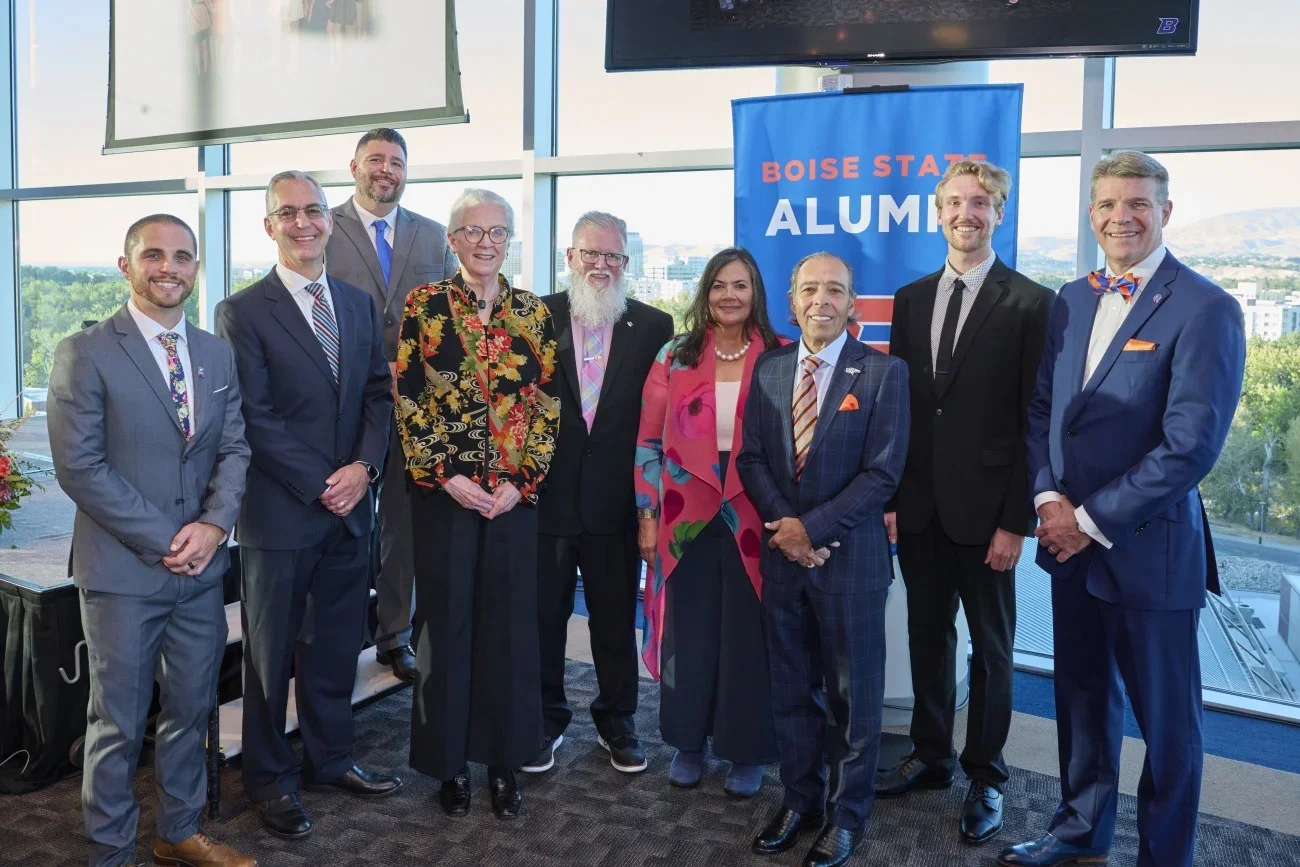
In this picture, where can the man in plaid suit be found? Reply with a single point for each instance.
(825, 439)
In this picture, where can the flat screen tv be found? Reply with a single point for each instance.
(671, 34)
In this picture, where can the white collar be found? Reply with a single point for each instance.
(295, 282)
(830, 354)
(368, 218)
(149, 328)
(1145, 269)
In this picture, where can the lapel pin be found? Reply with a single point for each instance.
(1156, 299)
(629, 325)
(200, 372)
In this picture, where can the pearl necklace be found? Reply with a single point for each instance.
(734, 356)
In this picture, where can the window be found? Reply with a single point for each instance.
(1053, 91)
(675, 222)
(1049, 219)
(61, 77)
(491, 39)
(1243, 70)
(63, 283)
(623, 112)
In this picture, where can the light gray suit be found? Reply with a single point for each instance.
(119, 454)
(420, 255)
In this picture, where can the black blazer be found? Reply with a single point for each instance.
(300, 426)
(589, 486)
(967, 459)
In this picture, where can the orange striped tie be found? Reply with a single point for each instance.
(805, 413)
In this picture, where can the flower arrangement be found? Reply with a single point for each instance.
(16, 478)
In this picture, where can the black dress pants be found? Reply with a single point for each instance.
(938, 572)
(477, 693)
(610, 573)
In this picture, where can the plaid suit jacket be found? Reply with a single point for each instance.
(854, 464)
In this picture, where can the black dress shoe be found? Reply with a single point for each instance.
(285, 817)
(361, 783)
(833, 848)
(911, 773)
(1047, 851)
(783, 831)
(506, 800)
(981, 814)
(401, 660)
(454, 795)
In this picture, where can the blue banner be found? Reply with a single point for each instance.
(854, 174)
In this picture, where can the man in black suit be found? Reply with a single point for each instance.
(587, 510)
(971, 334)
(317, 405)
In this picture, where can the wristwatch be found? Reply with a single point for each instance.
(652, 514)
(370, 471)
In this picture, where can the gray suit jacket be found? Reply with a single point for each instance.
(420, 255)
(120, 456)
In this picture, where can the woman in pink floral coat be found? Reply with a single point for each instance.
(700, 535)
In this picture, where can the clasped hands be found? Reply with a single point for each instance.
(344, 489)
(192, 548)
(1058, 531)
(790, 537)
(471, 496)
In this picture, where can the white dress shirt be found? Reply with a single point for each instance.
(1112, 310)
(150, 330)
(973, 280)
(368, 220)
(829, 356)
(297, 286)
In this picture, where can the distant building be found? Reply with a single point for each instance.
(1267, 319)
(513, 266)
(635, 254)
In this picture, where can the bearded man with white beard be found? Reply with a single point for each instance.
(607, 343)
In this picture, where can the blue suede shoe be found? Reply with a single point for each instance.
(743, 781)
(1047, 851)
(686, 769)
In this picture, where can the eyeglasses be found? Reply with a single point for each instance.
(474, 234)
(613, 260)
(289, 214)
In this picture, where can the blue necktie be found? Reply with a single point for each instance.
(384, 251)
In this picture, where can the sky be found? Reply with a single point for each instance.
(1244, 72)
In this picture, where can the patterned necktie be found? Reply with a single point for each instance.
(1125, 286)
(382, 249)
(327, 330)
(176, 380)
(593, 372)
(805, 413)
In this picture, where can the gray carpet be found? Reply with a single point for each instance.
(585, 813)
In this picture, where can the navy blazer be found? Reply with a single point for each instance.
(854, 464)
(1132, 444)
(300, 424)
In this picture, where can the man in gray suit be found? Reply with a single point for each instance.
(148, 441)
(388, 251)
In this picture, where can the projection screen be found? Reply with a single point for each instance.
(194, 72)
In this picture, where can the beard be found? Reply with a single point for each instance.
(367, 187)
(596, 307)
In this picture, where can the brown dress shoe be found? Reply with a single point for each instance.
(199, 851)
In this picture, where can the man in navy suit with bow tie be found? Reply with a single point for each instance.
(1137, 387)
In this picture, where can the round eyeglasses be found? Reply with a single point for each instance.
(474, 234)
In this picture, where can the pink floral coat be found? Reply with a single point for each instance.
(678, 472)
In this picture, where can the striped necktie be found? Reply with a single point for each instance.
(327, 330)
(1125, 285)
(176, 380)
(805, 413)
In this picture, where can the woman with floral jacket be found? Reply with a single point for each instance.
(700, 535)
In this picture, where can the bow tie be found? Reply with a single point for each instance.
(1126, 285)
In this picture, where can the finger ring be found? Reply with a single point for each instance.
(1051, 550)
(190, 564)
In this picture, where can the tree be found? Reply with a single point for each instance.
(1231, 490)
(1291, 481)
(675, 307)
(1270, 400)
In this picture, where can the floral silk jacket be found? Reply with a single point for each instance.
(678, 472)
(469, 397)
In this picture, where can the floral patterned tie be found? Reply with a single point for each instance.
(176, 380)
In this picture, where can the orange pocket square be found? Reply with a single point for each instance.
(849, 402)
(1135, 345)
